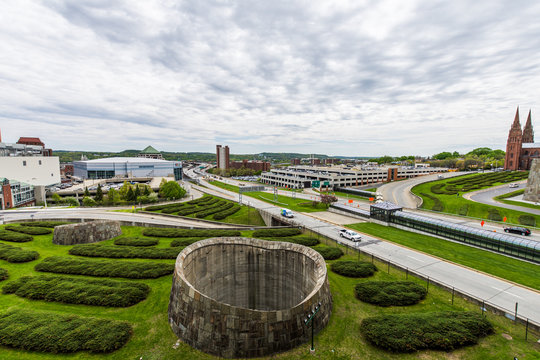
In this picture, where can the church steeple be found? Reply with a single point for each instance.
(528, 133)
(513, 145)
(516, 123)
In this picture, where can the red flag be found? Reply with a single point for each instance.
(350, 201)
(482, 223)
(504, 219)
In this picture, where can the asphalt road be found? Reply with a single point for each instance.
(486, 197)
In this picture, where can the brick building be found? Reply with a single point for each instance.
(250, 164)
(222, 157)
(35, 142)
(520, 146)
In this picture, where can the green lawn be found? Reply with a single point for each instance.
(153, 339)
(457, 205)
(224, 186)
(502, 266)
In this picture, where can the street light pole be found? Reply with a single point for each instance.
(311, 319)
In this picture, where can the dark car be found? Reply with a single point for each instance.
(517, 230)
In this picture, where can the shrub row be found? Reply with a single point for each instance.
(355, 269)
(437, 204)
(330, 253)
(528, 220)
(201, 200)
(214, 210)
(185, 241)
(390, 293)
(207, 206)
(494, 214)
(436, 331)
(14, 254)
(104, 268)
(163, 232)
(223, 214)
(3, 274)
(46, 224)
(135, 241)
(74, 290)
(173, 208)
(188, 210)
(277, 232)
(301, 240)
(56, 333)
(29, 230)
(463, 210)
(122, 252)
(14, 237)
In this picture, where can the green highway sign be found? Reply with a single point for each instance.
(326, 183)
(315, 183)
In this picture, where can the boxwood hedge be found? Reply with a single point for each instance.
(214, 210)
(185, 241)
(14, 254)
(124, 252)
(47, 224)
(353, 268)
(329, 253)
(76, 290)
(277, 232)
(201, 200)
(162, 232)
(390, 293)
(30, 230)
(436, 330)
(135, 241)
(302, 240)
(224, 213)
(57, 333)
(527, 220)
(14, 237)
(104, 268)
(3, 274)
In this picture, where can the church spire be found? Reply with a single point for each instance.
(516, 123)
(528, 133)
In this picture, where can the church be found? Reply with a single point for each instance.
(520, 146)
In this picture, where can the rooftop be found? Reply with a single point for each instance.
(150, 150)
(125, 159)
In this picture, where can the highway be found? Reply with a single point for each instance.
(486, 197)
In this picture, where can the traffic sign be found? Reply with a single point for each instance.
(316, 183)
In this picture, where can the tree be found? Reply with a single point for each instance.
(86, 192)
(328, 199)
(113, 196)
(88, 201)
(146, 191)
(99, 194)
(130, 195)
(57, 198)
(443, 155)
(137, 192)
(171, 190)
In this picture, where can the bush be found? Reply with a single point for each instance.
(277, 232)
(71, 201)
(30, 230)
(390, 293)
(14, 237)
(436, 331)
(185, 241)
(463, 210)
(88, 201)
(58, 333)
(351, 268)
(201, 200)
(3, 274)
(14, 254)
(163, 232)
(494, 214)
(123, 252)
(46, 224)
(437, 204)
(135, 241)
(171, 190)
(330, 253)
(104, 268)
(74, 290)
(223, 214)
(301, 240)
(527, 220)
(214, 210)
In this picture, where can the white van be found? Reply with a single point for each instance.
(287, 213)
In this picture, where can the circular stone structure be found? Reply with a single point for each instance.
(242, 297)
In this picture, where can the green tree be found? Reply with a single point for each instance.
(130, 195)
(146, 191)
(99, 194)
(124, 190)
(171, 190)
(88, 201)
(57, 198)
(113, 196)
(137, 192)
(86, 192)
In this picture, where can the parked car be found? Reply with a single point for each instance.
(351, 235)
(517, 230)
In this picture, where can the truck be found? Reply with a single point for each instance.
(351, 235)
(287, 213)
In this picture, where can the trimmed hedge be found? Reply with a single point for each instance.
(57, 333)
(47, 224)
(135, 241)
(123, 252)
(14, 254)
(494, 214)
(201, 200)
(463, 210)
(352, 268)
(104, 268)
(185, 241)
(29, 230)
(223, 214)
(390, 293)
(329, 253)
(407, 333)
(437, 204)
(214, 210)
(277, 232)
(527, 220)
(74, 290)
(3, 274)
(162, 232)
(14, 237)
(301, 240)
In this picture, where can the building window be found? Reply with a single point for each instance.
(24, 162)
(511, 155)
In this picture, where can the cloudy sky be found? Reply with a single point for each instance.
(357, 78)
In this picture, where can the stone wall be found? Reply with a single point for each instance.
(238, 297)
(87, 232)
(532, 190)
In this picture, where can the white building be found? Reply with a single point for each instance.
(126, 167)
(33, 170)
